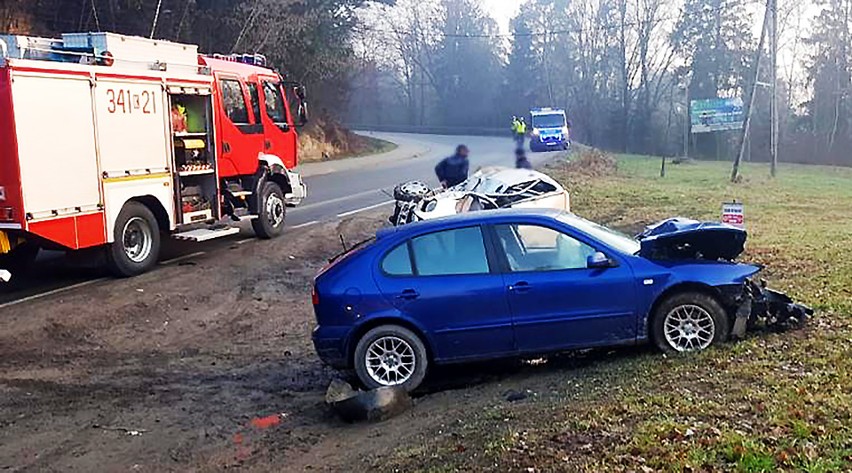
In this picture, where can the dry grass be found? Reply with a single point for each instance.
(324, 140)
(591, 162)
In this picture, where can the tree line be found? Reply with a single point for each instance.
(307, 40)
(625, 70)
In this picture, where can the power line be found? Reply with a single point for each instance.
(95, 14)
(607, 27)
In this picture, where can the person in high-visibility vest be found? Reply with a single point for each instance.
(520, 130)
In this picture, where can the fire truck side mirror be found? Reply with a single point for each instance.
(303, 113)
(301, 94)
(299, 91)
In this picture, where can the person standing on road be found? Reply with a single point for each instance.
(516, 126)
(520, 132)
(521, 161)
(453, 171)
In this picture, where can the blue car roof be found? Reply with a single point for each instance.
(467, 218)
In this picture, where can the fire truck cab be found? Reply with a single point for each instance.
(112, 141)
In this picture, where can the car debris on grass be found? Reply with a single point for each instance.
(375, 405)
(753, 304)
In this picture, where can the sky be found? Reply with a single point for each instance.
(502, 11)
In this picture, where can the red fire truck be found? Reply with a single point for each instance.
(112, 141)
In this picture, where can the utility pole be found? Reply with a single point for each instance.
(773, 110)
(735, 173)
(156, 18)
(686, 120)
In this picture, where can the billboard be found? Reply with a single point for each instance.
(708, 115)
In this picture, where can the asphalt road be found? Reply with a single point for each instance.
(366, 182)
(336, 189)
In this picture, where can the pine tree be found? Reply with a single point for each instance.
(828, 75)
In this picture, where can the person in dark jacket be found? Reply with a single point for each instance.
(521, 161)
(453, 171)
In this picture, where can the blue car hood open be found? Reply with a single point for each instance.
(680, 238)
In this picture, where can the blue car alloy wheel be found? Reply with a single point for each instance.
(390, 355)
(689, 321)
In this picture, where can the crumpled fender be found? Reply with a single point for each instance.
(759, 306)
(681, 238)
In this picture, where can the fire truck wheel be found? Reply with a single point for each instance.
(273, 211)
(137, 241)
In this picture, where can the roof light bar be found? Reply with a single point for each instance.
(250, 59)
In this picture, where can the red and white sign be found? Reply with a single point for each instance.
(732, 214)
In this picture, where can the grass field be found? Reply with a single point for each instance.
(771, 402)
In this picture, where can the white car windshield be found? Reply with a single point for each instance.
(486, 185)
(506, 181)
(617, 240)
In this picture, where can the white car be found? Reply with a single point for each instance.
(488, 188)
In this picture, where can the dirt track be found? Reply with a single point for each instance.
(168, 370)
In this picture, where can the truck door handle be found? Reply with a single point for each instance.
(520, 287)
(226, 147)
(408, 295)
(267, 144)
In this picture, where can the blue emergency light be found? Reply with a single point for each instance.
(250, 59)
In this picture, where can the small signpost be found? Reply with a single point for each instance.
(732, 214)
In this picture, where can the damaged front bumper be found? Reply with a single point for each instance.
(756, 306)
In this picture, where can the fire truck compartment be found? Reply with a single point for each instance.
(56, 145)
(194, 156)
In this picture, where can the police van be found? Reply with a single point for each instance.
(550, 130)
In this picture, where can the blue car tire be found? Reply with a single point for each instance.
(390, 355)
(689, 321)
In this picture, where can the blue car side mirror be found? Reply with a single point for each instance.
(599, 260)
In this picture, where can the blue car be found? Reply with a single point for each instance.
(511, 283)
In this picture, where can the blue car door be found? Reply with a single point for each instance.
(444, 282)
(557, 302)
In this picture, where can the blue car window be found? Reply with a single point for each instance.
(535, 248)
(397, 262)
(460, 251)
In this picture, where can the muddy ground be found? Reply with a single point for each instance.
(200, 365)
(167, 370)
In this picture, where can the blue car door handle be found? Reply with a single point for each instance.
(521, 286)
(408, 295)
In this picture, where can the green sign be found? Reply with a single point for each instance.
(709, 115)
